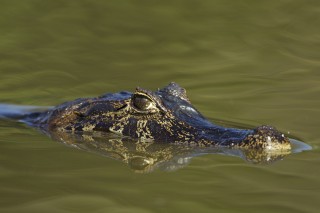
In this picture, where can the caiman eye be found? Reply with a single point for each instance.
(143, 103)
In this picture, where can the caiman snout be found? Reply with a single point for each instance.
(266, 138)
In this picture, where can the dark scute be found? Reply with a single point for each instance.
(116, 96)
(175, 90)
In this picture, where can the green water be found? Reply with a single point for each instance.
(250, 62)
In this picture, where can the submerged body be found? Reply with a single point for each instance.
(165, 115)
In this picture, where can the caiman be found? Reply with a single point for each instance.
(165, 115)
(149, 130)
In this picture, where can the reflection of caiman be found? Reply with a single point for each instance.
(147, 156)
(164, 129)
(162, 116)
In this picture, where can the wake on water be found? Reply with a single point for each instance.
(11, 111)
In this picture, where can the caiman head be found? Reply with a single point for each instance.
(165, 115)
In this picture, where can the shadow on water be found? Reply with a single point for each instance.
(144, 157)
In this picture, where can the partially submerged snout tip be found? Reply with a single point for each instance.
(268, 138)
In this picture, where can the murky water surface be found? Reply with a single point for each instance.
(247, 62)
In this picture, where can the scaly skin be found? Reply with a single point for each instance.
(165, 115)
